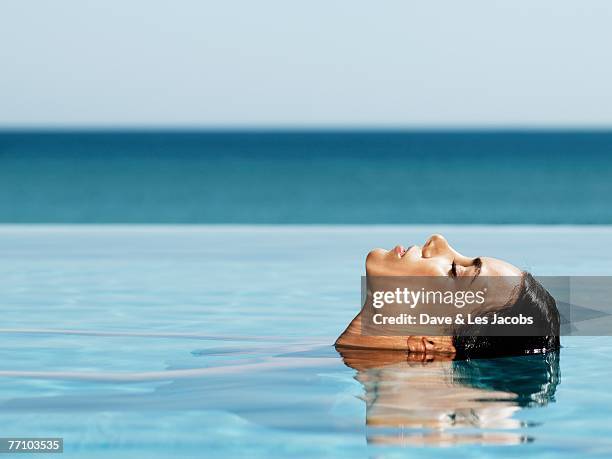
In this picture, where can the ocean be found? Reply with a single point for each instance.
(306, 177)
(151, 341)
(136, 335)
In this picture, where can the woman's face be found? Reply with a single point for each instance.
(436, 258)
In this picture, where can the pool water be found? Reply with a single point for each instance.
(215, 341)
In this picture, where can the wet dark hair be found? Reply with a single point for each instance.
(488, 341)
(533, 378)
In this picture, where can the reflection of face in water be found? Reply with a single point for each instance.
(446, 402)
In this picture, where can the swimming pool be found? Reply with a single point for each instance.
(215, 341)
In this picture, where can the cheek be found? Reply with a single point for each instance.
(427, 268)
(380, 262)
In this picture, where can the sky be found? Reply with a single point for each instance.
(315, 63)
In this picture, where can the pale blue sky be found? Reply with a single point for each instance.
(315, 63)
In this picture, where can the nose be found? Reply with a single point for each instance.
(436, 246)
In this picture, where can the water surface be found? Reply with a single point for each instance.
(151, 341)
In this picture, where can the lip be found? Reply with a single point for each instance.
(400, 250)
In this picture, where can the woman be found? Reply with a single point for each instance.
(516, 293)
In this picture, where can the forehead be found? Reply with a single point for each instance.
(496, 267)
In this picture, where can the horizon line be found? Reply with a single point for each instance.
(169, 129)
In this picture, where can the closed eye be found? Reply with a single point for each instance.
(476, 263)
(453, 270)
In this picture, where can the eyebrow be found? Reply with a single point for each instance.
(477, 263)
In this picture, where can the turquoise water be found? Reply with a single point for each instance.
(324, 177)
(215, 341)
